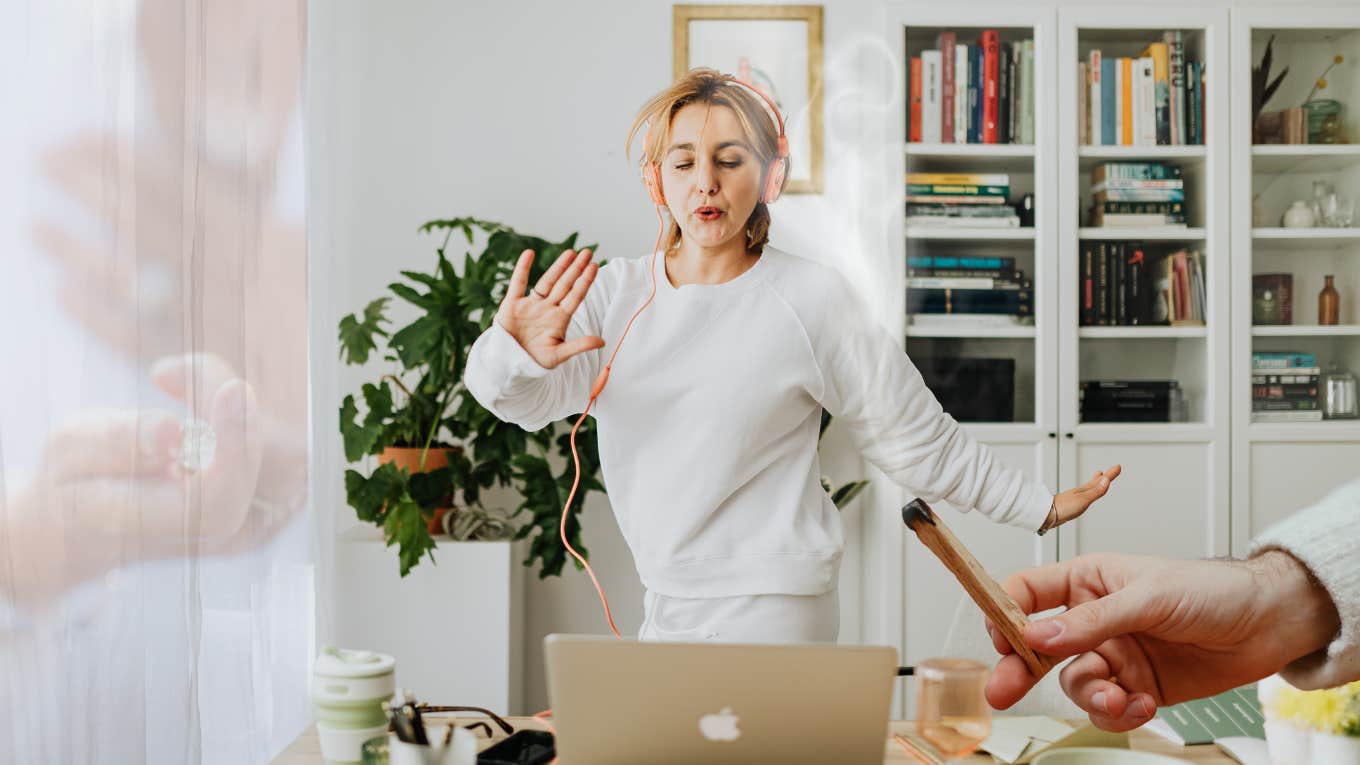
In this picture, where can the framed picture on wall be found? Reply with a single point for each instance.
(777, 48)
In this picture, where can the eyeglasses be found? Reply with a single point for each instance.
(506, 727)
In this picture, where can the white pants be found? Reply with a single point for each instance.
(741, 619)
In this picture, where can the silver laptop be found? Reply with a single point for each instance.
(623, 702)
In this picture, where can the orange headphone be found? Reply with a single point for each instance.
(774, 173)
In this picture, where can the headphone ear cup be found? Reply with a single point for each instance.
(651, 177)
(774, 180)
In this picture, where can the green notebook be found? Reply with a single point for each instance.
(1203, 721)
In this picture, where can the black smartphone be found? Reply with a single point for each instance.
(525, 747)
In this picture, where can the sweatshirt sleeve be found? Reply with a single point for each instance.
(872, 387)
(505, 379)
(1325, 538)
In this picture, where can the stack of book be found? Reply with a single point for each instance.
(1126, 284)
(960, 199)
(962, 292)
(1137, 194)
(972, 93)
(1132, 401)
(1156, 99)
(1284, 387)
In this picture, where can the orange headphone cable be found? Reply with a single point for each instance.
(595, 390)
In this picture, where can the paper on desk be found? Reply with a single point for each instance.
(1017, 740)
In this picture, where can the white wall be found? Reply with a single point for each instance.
(517, 112)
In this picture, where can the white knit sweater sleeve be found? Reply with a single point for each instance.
(505, 379)
(1326, 539)
(873, 389)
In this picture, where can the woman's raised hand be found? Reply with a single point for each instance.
(539, 319)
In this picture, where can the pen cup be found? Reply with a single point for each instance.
(348, 688)
(462, 750)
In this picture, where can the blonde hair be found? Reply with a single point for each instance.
(709, 86)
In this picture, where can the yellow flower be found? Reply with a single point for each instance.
(1321, 83)
(1334, 710)
(1339, 58)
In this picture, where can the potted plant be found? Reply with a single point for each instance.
(437, 448)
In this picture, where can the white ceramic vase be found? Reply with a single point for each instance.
(1299, 215)
(1334, 749)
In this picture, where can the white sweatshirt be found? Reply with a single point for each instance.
(708, 424)
(1326, 539)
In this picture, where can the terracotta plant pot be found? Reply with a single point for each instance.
(408, 459)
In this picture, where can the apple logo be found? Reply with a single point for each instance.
(720, 727)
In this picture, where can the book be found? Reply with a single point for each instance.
(945, 43)
(960, 210)
(1027, 94)
(1005, 97)
(1232, 713)
(914, 103)
(965, 321)
(961, 262)
(937, 221)
(1126, 88)
(930, 96)
(960, 179)
(1147, 102)
(974, 106)
(969, 199)
(1083, 108)
(1175, 56)
(1016, 63)
(991, 60)
(1095, 106)
(1300, 376)
(960, 93)
(1151, 171)
(967, 283)
(1109, 93)
(1272, 299)
(947, 300)
(1284, 360)
(1158, 54)
(958, 189)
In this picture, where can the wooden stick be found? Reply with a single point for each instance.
(1004, 612)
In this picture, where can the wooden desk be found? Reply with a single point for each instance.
(306, 750)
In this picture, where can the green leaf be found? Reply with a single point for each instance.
(432, 489)
(847, 493)
(406, 527)
(356, 336)
(359, 439)
(417, 341)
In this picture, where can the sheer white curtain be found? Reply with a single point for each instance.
(155, 569)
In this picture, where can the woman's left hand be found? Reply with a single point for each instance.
(1073, 502)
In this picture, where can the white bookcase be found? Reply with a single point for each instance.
(1178, 496)
(1278, 468)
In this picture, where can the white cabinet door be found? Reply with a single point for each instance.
(1288, 476)
(1169, 501)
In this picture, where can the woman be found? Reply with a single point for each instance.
(708, 425)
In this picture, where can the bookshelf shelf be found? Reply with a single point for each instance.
(971, 234)
(1141, 233)
(1307, 330)
(1142, 333)
(1185, 156)
(987, 151)
(1326, 430)
(1339, 237)
(988, 333)
(1145, 432)
(1274, 159)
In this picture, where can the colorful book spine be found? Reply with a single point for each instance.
(1094, 106)
(960, 179)
(1147, 113)
(961, 262)
(1126, 101)
(960, 93)
(914, 103)
(1151, 171)
(991, 78)
(930, 96)
(955, 189)
(1027, 94)
(1192, 118)
(1109, 96)
(975, 94)
(945, 43)
(1175, 47)
(1083, 108)
(1161, 92)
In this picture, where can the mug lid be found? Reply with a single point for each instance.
(344, 662)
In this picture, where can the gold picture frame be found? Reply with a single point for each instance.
(728, 37)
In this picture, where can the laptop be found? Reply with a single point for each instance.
(623, 702)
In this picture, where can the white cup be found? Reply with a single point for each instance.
(462, 750)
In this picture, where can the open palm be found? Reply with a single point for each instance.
(538, 319)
